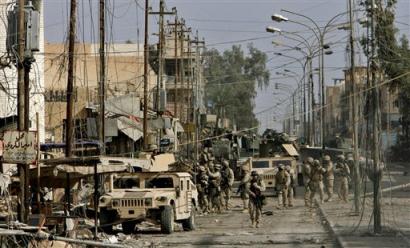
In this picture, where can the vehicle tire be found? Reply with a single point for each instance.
(128, 227)
(106, 217)
(189, 224)
(167, 220)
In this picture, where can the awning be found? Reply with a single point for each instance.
(291, 150)
(130, 128)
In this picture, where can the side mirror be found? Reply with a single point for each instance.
(178, 190)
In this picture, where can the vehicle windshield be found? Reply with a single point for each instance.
(159, 183)
(126, 183)
(260, 164)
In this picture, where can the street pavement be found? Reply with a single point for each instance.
(357, 230)
(289, 228)
(331, 224)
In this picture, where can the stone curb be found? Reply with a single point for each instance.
(340, 241)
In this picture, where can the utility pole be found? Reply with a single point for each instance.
(146, 54)
(312, 108)
(197, 42)
(102, 78)
(376, 125)
(176, 24)
(182, 40)
(70, 81)
(161, 42)
(70, 98)
(22, 168)
(356, 175)
(160, 78)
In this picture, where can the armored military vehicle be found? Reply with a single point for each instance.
(159, 197)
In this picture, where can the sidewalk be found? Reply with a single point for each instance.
(351, 232)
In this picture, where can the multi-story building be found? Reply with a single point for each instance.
(124, 77)
(333, 109)
(183, 77)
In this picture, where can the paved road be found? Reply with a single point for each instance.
(295, 227)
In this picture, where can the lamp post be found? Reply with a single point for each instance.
(320, 35)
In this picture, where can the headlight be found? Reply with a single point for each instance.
(148, 202)
(115, 203)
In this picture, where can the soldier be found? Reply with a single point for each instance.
(256, 199)
(329, 176)
(343, 172)
(202, 188)
(282, 185)
(306, 171)
(316, 181)
(215, 188)
(292, 185)
(227, 182)
(244, 186)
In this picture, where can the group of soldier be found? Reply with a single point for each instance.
(319, 176)
(214, 181)
(215, 178)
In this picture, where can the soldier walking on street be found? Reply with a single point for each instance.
(215, 188)
(282, 185)
(256, 199)
(329, 176)
(343, 172)
(202, 187)
(226, 182)
(306, 173)
(244, 186)
(291, 192)
(316, 181)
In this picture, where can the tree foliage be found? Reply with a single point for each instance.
(393, 55)
(232, 81)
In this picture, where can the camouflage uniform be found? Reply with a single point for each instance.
(227, 182)
(329, 177)
(215, 188)
(316, 181)
(256, 199)
(292, 184)
(244, 187)
(306, 171)
(343, 172)
(282, 185)
(202, 188)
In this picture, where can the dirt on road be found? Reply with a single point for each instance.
(293, 227)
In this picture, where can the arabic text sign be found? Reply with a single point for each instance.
(20, 147)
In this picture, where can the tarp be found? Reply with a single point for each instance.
(124, 105)
(130, 128)
(291, 150)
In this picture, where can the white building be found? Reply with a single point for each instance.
(8, 75)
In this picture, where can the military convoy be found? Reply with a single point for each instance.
(162, 198)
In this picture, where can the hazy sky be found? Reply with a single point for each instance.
(223, 23)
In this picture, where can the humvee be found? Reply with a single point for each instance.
(160, 197)
(268, 167)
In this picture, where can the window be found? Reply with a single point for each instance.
(182, 185)
(126, 183)
(159, 183)
(188, 185)
(260, 164)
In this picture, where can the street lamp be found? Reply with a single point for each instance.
(279, 18)
(319, 33)
(271, 29)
